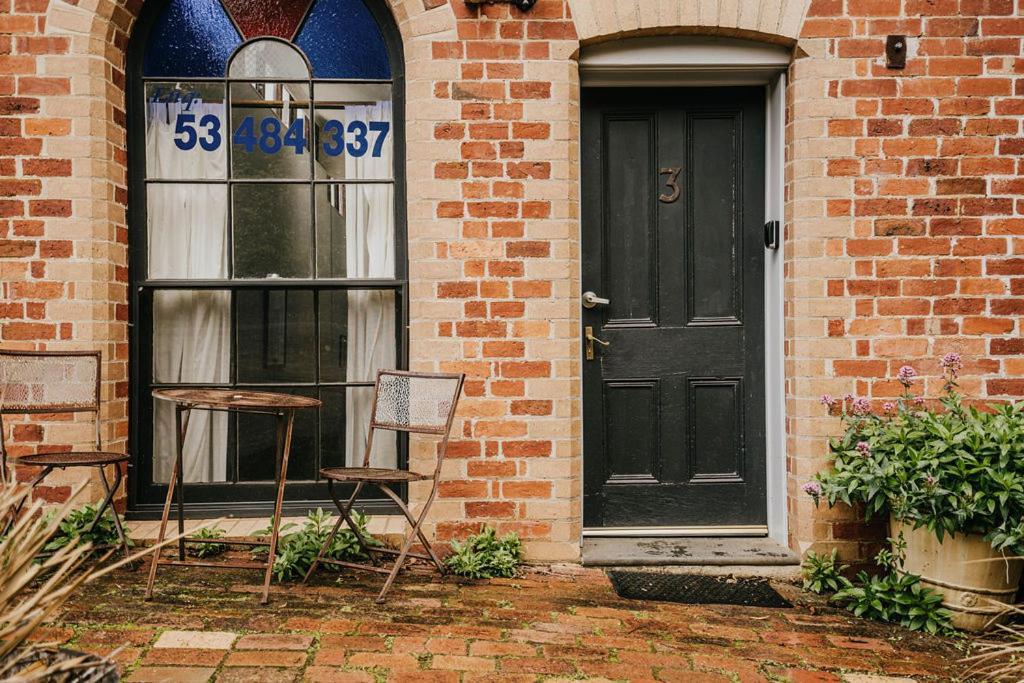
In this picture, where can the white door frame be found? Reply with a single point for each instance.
(709, 61)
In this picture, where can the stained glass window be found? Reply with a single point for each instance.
(271, 229)
(196, 38)
(355, 51)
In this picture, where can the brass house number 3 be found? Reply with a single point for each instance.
(673, 176)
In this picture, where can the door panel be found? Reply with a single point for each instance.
(673, 209)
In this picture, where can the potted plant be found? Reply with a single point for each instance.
(951, 479)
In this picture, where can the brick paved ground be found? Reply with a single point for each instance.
(563, 623)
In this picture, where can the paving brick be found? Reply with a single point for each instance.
(166, 674)
(196, 640)
(266, 658)
(274, 641)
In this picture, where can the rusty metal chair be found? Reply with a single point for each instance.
(417, 403)
(57, 382)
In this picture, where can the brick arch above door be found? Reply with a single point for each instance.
(774, 20)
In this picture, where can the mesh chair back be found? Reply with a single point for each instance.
(415, 402)
(49, 381)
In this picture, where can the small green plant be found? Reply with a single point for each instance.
(824, 573)
(895, 595)
(485, 556)
(76, 526)
(298, 548)
(203, 550)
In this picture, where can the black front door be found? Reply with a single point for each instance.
(673, 214)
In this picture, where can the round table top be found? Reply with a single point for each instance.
(235, 399)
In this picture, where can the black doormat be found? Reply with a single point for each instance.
(696, 589)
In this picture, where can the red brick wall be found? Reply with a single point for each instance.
(903, 206)
(907, 212)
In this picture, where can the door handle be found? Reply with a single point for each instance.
(590, 300)
(588, 334)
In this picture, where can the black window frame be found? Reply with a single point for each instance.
(145, 498)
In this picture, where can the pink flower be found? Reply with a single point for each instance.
(888, 406)
(861, 406)
(812, 489)
(952, 363)
(864, 448)
(919, 400)
(827, 400)
(848, 397)
(906, 375)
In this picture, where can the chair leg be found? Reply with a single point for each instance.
(419, 532)
(12, 517)
(412, 535)
(334, 532)
(346, 512)
(111, 491)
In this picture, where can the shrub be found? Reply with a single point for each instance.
(951, 468)
(485, 556)
(203, 550)
(296, 550)
(823, 573)
(74, 527)
(895, 595)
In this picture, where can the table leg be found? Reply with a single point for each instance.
(287, 419)
(181, 426)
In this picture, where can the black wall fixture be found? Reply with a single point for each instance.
(524, 5)
(896, 52)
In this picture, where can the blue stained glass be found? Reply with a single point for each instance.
(191, 38)
(342, 40)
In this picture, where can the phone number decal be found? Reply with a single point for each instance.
(270, 135)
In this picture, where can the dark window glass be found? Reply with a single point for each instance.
(355, 51)
(191, 38)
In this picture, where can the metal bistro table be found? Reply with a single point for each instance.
(227, 400)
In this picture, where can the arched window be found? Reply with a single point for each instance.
(266, 232)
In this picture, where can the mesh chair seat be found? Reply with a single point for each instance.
(75, 459)
(371, 474)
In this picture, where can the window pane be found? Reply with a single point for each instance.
(205, 453)
(276, 336)
(257, 443)
(343, 440)
(191, 336)
(185, 130)
(355, 231)
(188, 230)
(358, 51)
(190, 38)
(272, 226)
(355, 140)
(357, 334)
(268, 59)
(270, 130)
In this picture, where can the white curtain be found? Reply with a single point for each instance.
(188, 235)
(370, 252)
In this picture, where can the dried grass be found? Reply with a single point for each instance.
(32, 591)
(999, 656)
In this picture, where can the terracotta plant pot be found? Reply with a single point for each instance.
(974, 579)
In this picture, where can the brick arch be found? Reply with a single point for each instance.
(769, 20)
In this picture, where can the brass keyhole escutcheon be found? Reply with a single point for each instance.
(588, 335)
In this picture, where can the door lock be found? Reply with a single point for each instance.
(590, 300)
(588, 334)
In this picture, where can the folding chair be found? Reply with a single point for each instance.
(33, 382)
(403, 402)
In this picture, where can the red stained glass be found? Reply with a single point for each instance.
(257, 18)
